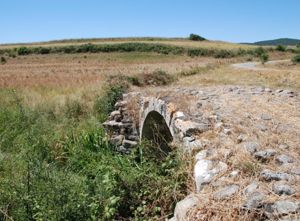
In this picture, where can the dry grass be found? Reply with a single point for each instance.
(86, 69)
(176, 42)
(226, 75)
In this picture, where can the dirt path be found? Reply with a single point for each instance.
(255, 65)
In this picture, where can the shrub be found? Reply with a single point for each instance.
(44, 50)
(3, 60)
(194, 37)
(281, 48)
(198, 52)
(296, 59)
(114, 91)
(264, 58)
(298, 45)
(259, 51)
(157, 78)
(224, 54)
(23, 51)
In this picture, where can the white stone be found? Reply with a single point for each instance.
(182, 207)
(205, 170)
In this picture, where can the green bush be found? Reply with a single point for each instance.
(296, 59)
(298, 45)
(3, 60)
(258, 52)
(23, 51)
(194, 37)
(281, 48)
(198, 52)
(264, 58)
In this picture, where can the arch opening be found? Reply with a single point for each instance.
(156, 130)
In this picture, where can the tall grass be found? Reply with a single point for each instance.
(58, 165)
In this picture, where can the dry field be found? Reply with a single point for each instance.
(176, 42)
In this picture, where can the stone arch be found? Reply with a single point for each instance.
(156, 118)
(155, 129)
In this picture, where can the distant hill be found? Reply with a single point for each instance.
(280, 41)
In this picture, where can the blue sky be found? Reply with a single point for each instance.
(228, 20)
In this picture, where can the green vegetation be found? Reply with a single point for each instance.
(281, 48)
(194, 37)
(56, 164)
(3, 60)
(133, 47)
(264, 58)
(23, 51)
(296, 59)
(280, 41)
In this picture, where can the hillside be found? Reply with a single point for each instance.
(280, 41)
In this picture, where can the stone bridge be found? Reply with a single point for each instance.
(243, 141)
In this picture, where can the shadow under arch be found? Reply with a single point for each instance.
(156, 130)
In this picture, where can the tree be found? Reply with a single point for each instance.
(194, 37)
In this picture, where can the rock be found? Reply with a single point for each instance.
(226, 192)
(295, 171)
(268, 90)
(133, 137)
(241, 138)
(234, 173)
(113, 123)
(251, 147)
(120, 104)
(269, 175)
(227, 131)
(283, 189)
(179, 115)
(205, 170)
(284, 159)
(115, 113)
(191, 143)
(254, 200)
(129, 144)
(189, 128)
(251, 188)
(265, 155)
(284, 207)
(261, 127)
(116, 140)
(122, 149)
(266, 117)
(284, 146)
(182, 207)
